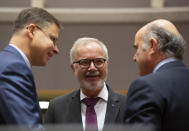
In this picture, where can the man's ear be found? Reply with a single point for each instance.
(72, 67)
(30, 30)
(153, 46)
(107, 62)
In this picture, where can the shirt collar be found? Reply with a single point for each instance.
(103, 94)
(163, 62)
(22, 54)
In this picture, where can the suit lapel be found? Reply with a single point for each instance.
(113, 107)
(75, 108)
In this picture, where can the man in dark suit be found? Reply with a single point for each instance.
(89, 62)
(33, 43)
(160, 96)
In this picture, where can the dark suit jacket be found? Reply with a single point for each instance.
(161, 99)
(67, 109)
(18, 100)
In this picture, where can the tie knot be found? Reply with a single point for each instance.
(90, 101)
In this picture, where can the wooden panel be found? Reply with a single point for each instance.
(49, 94)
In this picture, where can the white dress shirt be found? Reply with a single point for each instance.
(100, 107)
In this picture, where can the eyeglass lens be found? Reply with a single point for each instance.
(98, 62)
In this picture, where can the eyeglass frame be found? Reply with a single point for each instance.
(91, 60)
(52, 38)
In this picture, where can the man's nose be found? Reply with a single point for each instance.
(134, 58)
(92, 66)
(56, 50)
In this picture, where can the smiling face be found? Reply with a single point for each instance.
(91, 78)
(43, 45)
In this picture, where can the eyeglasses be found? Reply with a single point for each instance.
(52, 38)
(85, 63)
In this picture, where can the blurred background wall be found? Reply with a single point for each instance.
(114, 22)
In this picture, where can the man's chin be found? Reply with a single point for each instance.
(43, 64)
(95, 85)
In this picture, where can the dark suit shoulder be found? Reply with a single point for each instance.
(116, 96)
(64, 109)
(65, 98)
(12, 54)
(120, 96)
(12, 61)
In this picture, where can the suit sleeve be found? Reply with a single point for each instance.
(143, 105)
(49, 115)
(18, 100)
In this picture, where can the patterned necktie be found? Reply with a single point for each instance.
(91, 118)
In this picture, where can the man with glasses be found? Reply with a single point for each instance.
(89, 62)
(33, 43)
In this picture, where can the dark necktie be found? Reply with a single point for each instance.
(91, 118)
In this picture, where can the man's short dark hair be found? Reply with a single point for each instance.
(36, 16)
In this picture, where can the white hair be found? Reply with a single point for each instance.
(86, 40)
